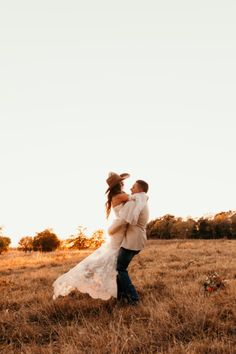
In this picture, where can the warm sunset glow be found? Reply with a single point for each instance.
(87, 90)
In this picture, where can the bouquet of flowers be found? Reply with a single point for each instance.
(213, 282)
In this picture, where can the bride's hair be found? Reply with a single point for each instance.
(117, 189)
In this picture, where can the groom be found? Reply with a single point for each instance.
(134, 241)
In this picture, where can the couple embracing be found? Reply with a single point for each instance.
(103, 274)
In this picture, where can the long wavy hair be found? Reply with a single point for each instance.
(117, 189)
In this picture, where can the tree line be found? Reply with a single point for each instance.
(220, 225)
(48, 241)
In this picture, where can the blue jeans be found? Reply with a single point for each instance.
(124, 285)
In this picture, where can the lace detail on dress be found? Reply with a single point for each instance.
(95, 275)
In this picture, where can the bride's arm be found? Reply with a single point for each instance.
(118, 223)
(119, 199)
(124, 218)
(130, 211)
(116, 226)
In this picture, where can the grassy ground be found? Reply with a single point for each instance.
(174, 316)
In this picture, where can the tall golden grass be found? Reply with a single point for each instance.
(174, 315)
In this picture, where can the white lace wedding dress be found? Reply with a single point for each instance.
(96, 274)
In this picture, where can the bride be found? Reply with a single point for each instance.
(96, 274)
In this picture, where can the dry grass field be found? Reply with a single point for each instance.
(174, 316)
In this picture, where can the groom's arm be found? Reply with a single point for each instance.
(129, 213)
(121, 221)
(120, 198)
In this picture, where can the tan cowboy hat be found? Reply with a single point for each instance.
(114, 178)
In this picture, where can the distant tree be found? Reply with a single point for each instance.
(161, 227)
(233, 225)
(151, 231)
(222, 226)
(205, 227)
(194, 230)
(82, 241)
(4, 244)
(46, 241)
(97, 239)
(78, 241)
(26, 244)
(178, 228)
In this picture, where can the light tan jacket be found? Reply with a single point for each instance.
(135, 237)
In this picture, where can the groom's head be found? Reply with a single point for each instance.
(139, 187)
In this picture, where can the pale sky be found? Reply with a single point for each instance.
(88, 87)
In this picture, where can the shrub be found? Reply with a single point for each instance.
(26, 244)
(46, 241)
(4, 244)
